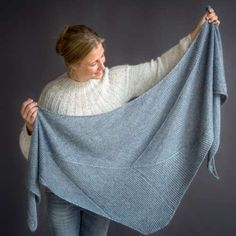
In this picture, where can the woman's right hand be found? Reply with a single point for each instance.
(29, 110)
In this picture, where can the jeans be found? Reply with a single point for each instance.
(66, 219)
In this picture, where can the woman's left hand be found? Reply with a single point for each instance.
(209, 16)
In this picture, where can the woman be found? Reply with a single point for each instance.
(89, 88)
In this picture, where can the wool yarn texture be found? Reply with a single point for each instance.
(134, 164)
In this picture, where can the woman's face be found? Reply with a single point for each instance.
(92, 66)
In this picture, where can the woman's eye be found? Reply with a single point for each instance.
(94, 64)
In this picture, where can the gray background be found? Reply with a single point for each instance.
(135, 31)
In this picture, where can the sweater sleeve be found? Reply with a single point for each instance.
(143, 76)
(24, 141)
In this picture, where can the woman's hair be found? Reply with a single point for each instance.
(75, 42)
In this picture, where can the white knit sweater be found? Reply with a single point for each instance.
(118, 85)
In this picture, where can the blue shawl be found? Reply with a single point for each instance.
(134, 164)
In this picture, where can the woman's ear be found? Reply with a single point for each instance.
(71, 67)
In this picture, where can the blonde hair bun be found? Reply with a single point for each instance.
(75, 42)
(61, 40)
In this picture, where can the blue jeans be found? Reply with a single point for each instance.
(66, 219)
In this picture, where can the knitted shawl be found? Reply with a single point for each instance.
(134, 164)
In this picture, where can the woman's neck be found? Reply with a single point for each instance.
(74, 76)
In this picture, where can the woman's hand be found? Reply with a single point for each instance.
(29, 110)
(209, 16)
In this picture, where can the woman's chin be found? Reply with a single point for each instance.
(98, 75)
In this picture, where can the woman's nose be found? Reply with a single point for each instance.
(101, 66)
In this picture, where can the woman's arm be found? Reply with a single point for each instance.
(144, 76)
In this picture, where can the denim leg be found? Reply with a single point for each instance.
(93, 224)
(64, 218)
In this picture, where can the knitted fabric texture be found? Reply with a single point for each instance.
(134, 164)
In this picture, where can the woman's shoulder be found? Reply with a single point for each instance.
(118, 72)
(118, 69)
(52, 88)
(54, 83)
